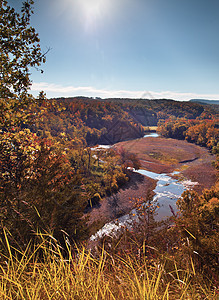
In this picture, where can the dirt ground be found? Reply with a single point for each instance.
(161, 155)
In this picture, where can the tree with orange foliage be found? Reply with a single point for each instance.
(39, 189)
(197, 226)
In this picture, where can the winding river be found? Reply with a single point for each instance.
(167, 192)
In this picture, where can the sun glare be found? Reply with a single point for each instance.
(93, 11)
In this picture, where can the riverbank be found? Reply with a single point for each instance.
(122, 202)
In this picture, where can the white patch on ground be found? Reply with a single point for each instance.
(100, 147)
(188, 184)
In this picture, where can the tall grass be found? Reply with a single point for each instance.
(43, 272)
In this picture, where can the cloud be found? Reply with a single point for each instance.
(54, 90)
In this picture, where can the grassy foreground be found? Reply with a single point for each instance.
(43, 273)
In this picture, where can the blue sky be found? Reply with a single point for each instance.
(128, 48)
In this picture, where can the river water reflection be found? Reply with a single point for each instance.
(167, 191)
(151, 134)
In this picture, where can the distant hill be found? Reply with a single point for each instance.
(204, 101)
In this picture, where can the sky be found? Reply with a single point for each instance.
(128, 48)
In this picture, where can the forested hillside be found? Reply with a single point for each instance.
(107, 121)
(201, 132)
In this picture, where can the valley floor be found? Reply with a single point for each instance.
(162, 155)
(158, 155)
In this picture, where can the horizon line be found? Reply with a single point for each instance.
(57, 91)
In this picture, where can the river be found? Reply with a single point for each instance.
(167, 191)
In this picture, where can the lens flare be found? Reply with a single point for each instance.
(94, 12)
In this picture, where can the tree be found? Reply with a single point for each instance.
(127, 159)
(197, 226)
(19, 50)
(40, 189)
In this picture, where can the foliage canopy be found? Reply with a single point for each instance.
(19, 48)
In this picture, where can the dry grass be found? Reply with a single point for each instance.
(167, 149)
(44, 273)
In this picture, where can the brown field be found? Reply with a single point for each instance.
(163, 155)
